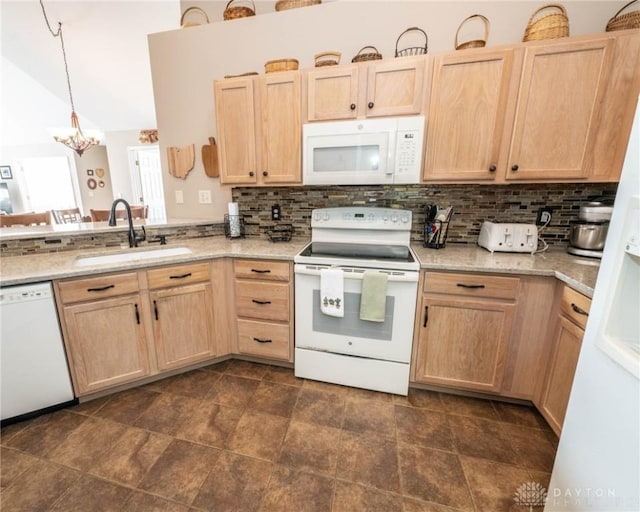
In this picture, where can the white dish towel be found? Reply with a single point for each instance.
(332, 292)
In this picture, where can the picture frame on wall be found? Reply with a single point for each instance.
(89, 172)
(5, 172)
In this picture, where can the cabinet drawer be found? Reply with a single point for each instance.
(178, 275)
(575, 306)
(78, 290)
(266, 301)
(262, 269)
(263, 339)
(472, 285)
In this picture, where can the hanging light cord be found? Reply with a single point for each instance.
(64, 53)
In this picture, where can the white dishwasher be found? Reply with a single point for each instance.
(35, 375)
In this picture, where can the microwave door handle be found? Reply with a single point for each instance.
(391, 152)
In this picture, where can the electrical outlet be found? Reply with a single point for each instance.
(544, 216)
(276, 213)
(204, 196)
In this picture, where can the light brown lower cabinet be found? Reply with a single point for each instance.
(565, 349)
(105, 331)
(106, 342)
(263, 292)
(465, 326)
(119, 328)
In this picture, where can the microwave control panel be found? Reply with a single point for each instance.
(408, 155)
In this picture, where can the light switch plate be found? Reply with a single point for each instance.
(179, 197)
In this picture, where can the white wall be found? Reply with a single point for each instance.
(185, 62)
(99, 198)
(117, 143)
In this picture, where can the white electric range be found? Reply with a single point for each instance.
(347, 350)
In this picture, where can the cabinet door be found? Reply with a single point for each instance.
(466, 116)
(332, 93)
(395, 87)
(562, 368)
(463, 343)
(280, 128)
(235, 118)
(106, 342)
(559, 104)
(183, 325)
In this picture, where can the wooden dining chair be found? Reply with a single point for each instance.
(137, 212)
(68, 216)
(25, 219)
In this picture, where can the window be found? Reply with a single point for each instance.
(46, 184)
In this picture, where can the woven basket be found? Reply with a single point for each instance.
(283, 5)
(363, 56)
(412, 50)
(624, 21)
(327, 59)
(549, 26)
(185, 24)
(238, 11)
(473, 43)
(272, 66)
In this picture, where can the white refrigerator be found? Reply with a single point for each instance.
(597, 466)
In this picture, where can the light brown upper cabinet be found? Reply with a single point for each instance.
(466, 115)
(374, 89)
(546, 111)
(559, 105)
(259, 127)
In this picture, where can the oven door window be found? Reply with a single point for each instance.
(351, 325)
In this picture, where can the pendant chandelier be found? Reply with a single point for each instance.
(72, 137)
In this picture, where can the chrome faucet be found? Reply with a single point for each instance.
(133, 238)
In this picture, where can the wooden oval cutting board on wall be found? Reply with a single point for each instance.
(210, 158)
(181, 160)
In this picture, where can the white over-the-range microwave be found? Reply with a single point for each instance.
(361, 152)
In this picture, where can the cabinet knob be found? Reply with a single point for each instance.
(492, 168)
(352, 106)
(370, 104)
(265, 173)
(514, 167)
(251, 173)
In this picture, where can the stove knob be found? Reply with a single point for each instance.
(385, 218)
(316, 216)
(394, 218)
(405, 219)
(326, 216)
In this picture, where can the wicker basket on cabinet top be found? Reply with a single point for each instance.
(549, 26)
(239, 11)
(283, 5)
(624, 21)
(473, 43)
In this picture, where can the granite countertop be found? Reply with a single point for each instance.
(579, 273)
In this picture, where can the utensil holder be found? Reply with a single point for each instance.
(233, 226)
(435, 233)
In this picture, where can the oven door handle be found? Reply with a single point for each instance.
(394, 275)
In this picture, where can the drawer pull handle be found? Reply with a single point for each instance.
(261, 301)
(137, 314)
(155, 309)
(579, 310)
(101, 288)
(181, 276)
(426, 316)
(470, 286)
(261, 341)
(260, 271)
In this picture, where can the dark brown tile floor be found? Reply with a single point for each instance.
(240, 436)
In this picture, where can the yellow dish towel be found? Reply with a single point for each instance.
(373, 300)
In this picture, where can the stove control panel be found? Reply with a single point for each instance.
(361, 217)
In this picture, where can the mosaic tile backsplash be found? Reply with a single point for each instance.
(472, 205)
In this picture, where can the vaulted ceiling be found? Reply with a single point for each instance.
(107, 52)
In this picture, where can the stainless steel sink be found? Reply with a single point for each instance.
(132, 255)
